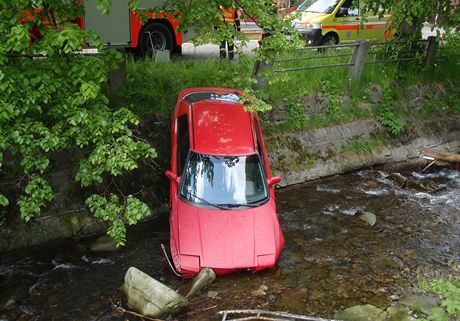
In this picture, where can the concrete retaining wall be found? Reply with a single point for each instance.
(303, 156)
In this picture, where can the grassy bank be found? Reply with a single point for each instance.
(304, 99)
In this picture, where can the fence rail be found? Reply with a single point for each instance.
(359, 54)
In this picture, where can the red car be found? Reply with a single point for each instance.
(223, 212)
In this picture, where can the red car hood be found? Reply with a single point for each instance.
(230, 239)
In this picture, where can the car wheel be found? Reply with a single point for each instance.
(154, 36)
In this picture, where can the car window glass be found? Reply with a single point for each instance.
(322, 6)
(229, 180)
(350, 8)
(212, 95)
(183, 142)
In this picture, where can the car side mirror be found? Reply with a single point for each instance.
(173, 177)
(343, 12)
(274, 180)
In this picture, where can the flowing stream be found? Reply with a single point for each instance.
(332, 259)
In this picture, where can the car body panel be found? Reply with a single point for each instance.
(221, 129)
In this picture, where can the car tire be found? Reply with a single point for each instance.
(154, 36)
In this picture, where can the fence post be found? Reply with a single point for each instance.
(431, 50)
(117, 77)
(358, 59)
(258, 73)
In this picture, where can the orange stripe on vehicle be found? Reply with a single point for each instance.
(375, 26)
(342, 27)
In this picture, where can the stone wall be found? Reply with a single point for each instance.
(302, 156)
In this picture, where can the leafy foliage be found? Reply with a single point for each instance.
(111, 209)
(52, 98)
(450, 294)
(408, 16)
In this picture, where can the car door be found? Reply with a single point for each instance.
(373, 27)
(346, 21)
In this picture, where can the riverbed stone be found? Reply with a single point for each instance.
(202, 280)
(361, 313)
(421, 302)
(399, 179)
(151, 297)
(368, 217)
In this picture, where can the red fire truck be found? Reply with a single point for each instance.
(123, 27)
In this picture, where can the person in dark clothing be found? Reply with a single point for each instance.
(230, 17)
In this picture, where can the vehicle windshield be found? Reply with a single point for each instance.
(319, 6)
(230, 181)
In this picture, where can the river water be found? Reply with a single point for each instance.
(331, 260)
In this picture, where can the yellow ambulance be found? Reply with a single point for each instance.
(329, 22)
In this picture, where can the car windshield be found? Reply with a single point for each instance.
(230, 181)
(319, 6)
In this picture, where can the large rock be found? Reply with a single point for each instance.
(202, 280)
(361, 313)
(421, 302)
(151, 297)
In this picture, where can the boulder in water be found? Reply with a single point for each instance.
(151, 297)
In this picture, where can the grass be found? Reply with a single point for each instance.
(152, 88)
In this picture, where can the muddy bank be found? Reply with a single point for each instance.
(297, 157)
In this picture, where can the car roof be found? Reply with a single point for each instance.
(219, 123)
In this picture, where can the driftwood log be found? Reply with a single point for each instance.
(438, 155)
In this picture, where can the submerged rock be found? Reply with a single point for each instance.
(368, 217)
(151, 297)
(202, 280)
(399, 179)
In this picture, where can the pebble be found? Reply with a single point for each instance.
(258, 293)
(394, 297)
(213, 294)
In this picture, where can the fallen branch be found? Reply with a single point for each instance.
(202, 310)
(438, 155)
(267, 315)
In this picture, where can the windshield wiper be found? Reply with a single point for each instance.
(202, 200)
(238, 205)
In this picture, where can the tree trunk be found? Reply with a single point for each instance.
(444, 156)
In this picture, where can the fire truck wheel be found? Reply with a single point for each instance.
(154, 36)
